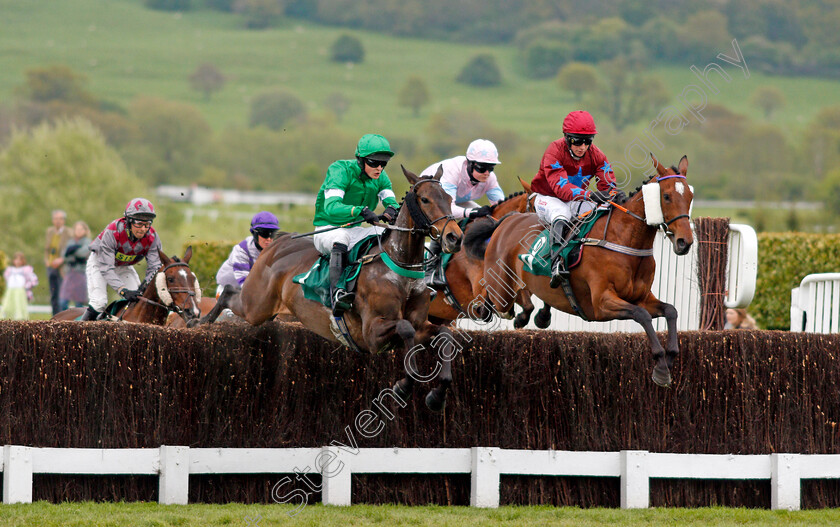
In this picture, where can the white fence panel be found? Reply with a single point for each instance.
(486, 465)
(815, 304)
(675, 282)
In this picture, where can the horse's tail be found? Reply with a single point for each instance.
(477, 236)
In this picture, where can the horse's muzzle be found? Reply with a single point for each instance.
(451, 243)
(681, 246)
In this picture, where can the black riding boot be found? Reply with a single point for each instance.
(434, 272)
(90, 314)
(559, 231)
(341, 299)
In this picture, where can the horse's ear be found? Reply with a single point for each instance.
(187, 254)
(659, 168)
(438, 173)
(683, 166)
(525, 185)
(165, 260)
(409, 175)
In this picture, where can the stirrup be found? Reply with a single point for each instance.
(342, 301)
(558, 273)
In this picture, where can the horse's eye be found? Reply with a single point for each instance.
(666, 198)
(170, 279)
(424, 200)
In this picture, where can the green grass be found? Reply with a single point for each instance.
(150, 514)
(126, 50)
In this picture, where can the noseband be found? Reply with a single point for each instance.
(170, 305)
(422, 223)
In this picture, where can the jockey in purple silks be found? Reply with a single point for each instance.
(235, 269)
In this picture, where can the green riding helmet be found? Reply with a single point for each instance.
(374, 146)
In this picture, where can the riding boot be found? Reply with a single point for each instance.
(559, 230)
(341, 299)
(89, 314)
(435, 276)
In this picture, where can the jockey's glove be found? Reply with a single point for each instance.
(619, 196)
(369, 216)
(390, 214)
(480, 212)
(600, 196)
(130, 294)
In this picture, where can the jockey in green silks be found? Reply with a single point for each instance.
(351, 191)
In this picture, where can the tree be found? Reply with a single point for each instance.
(543, 58)
(627, 95)
(169, 5)
(414, 94)
(338, 103)
(66, 165)
(260, 14)
(347, 48)
(481, 71)
(56, 83)
(171, 139)
(769, 99)
(578, 78)
(207, 79)
(275, 108)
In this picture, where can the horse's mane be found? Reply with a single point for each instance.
(637, 189)
(509, 197)
(475, 239)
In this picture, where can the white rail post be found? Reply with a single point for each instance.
(635, 481)
(336, 488)
(785, 481)
(484, 477)
(174, 482)
(17, 474)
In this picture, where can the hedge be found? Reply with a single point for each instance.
(108, 385)
(784, 259)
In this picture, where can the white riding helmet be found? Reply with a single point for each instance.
(483, 151)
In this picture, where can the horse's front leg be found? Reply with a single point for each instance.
(523, 298)
(440, 342)
(406, 332)
(657, 308)
(229, 297)
(612, 307)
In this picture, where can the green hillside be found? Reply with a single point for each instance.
(126, 50)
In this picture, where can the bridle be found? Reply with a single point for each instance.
(422, 223)
(665, 226)
(170, 306)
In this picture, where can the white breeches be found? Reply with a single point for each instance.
(98, 287)
(549, 208)
(349, 236)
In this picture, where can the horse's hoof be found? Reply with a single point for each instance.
(520, 322)
(401, 392)
(661, 376)
(193, 323)
(434, 402)
(542, 321)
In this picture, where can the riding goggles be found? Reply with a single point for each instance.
(577, 140)
(482, 168)
(265, 233)
(373, 163)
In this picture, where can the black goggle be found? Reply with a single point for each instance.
(577, 140)
(265, 233)
(483, 168)
(373, 163)
(141, 224)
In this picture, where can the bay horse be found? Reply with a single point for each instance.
(608, 284)
(391, 307)
(174, 289)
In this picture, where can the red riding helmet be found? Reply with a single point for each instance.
(579, 122)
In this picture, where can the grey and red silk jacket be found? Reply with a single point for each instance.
(114, 249)
(567, 178)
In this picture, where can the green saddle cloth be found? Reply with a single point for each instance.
(538, 258)
(316, 281)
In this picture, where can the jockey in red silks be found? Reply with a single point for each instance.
(562, 183)
(125, 242)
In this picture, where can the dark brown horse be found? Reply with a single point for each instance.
(175, 289)
(612, 282)
(391, 310)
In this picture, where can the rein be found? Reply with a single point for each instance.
(171, 306)
(665, 225)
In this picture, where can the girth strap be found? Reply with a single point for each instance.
(617, 248)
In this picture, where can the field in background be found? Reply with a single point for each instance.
(91, 514)
(125, 50)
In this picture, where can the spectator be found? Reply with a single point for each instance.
(74, 285)
(56, 240)
(20, 279)
(739, 319)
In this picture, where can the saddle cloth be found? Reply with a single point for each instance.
(538, 258)
(316, 281)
